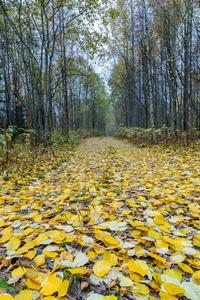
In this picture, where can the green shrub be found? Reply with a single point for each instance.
(164, 135)
(57, 138)
(135, 135)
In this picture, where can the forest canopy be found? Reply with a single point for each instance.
(47, 65)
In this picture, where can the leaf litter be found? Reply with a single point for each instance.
(112, 221)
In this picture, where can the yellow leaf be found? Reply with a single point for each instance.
(76, 219)
(2, 222)
(110, 241)
(110, 258)
(99, 234)
(143, 289)
(101, 268)
(40, 278)
(32, 274)
(67, 191)
(185, 268)
(194, 208)
(6, 231)
(6, 238)
(196, 276)
(91, 254)
(136, 223)
(165, 229)
(154, 235)
(50, 254)
(154, 285)
(63, 288)
(42, 237)
(31, 254)
(136, 277)
(26, 247)
(141, 199)
(50, 298)
(173, 289)
(157, 257)
(6, 297)
(196, 242)
(139, 251)
(69, 238)
(161, 244)
(28, 231)
(173, 273)
(13, 244)
(131, 202)
(40, 259)
(138, 266)
(57, 236)
(168, 240)
(66, 255)
(24, 295)
(159, 220)
(18, 272)
(197, 236)
(112, 297)
(194, 263)
(51, 285)
(78, 271)
(184, 231)
(136, 233)
(38, 218)
(167, 296)
(33, 285)
(143, 228)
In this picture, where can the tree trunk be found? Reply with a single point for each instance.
(149, 70)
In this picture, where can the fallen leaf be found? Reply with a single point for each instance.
(125, 281)
(63, 288)
(173, 273)
(101, 268)
(24, 295)
(110, 241)
(173, 289)
(6, 297)
(111, 258)
(185, 268)
(112, 297)
(13, 244)
(51, 285)
(84, 285)
(93, 297)
(192, 290)
(138, 266)
(19, 272)
(78, 271)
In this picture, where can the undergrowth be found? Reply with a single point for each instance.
(21, 149)
(165, 136)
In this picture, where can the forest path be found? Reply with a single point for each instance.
(114, 220)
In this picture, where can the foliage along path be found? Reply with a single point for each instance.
(112, 222)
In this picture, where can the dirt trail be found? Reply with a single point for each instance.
(114, 220)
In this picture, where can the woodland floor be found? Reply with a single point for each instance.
(112, 221)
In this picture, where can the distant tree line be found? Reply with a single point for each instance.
(155, 80)
(46, 79)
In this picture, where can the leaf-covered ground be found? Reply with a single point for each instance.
(110, 222)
